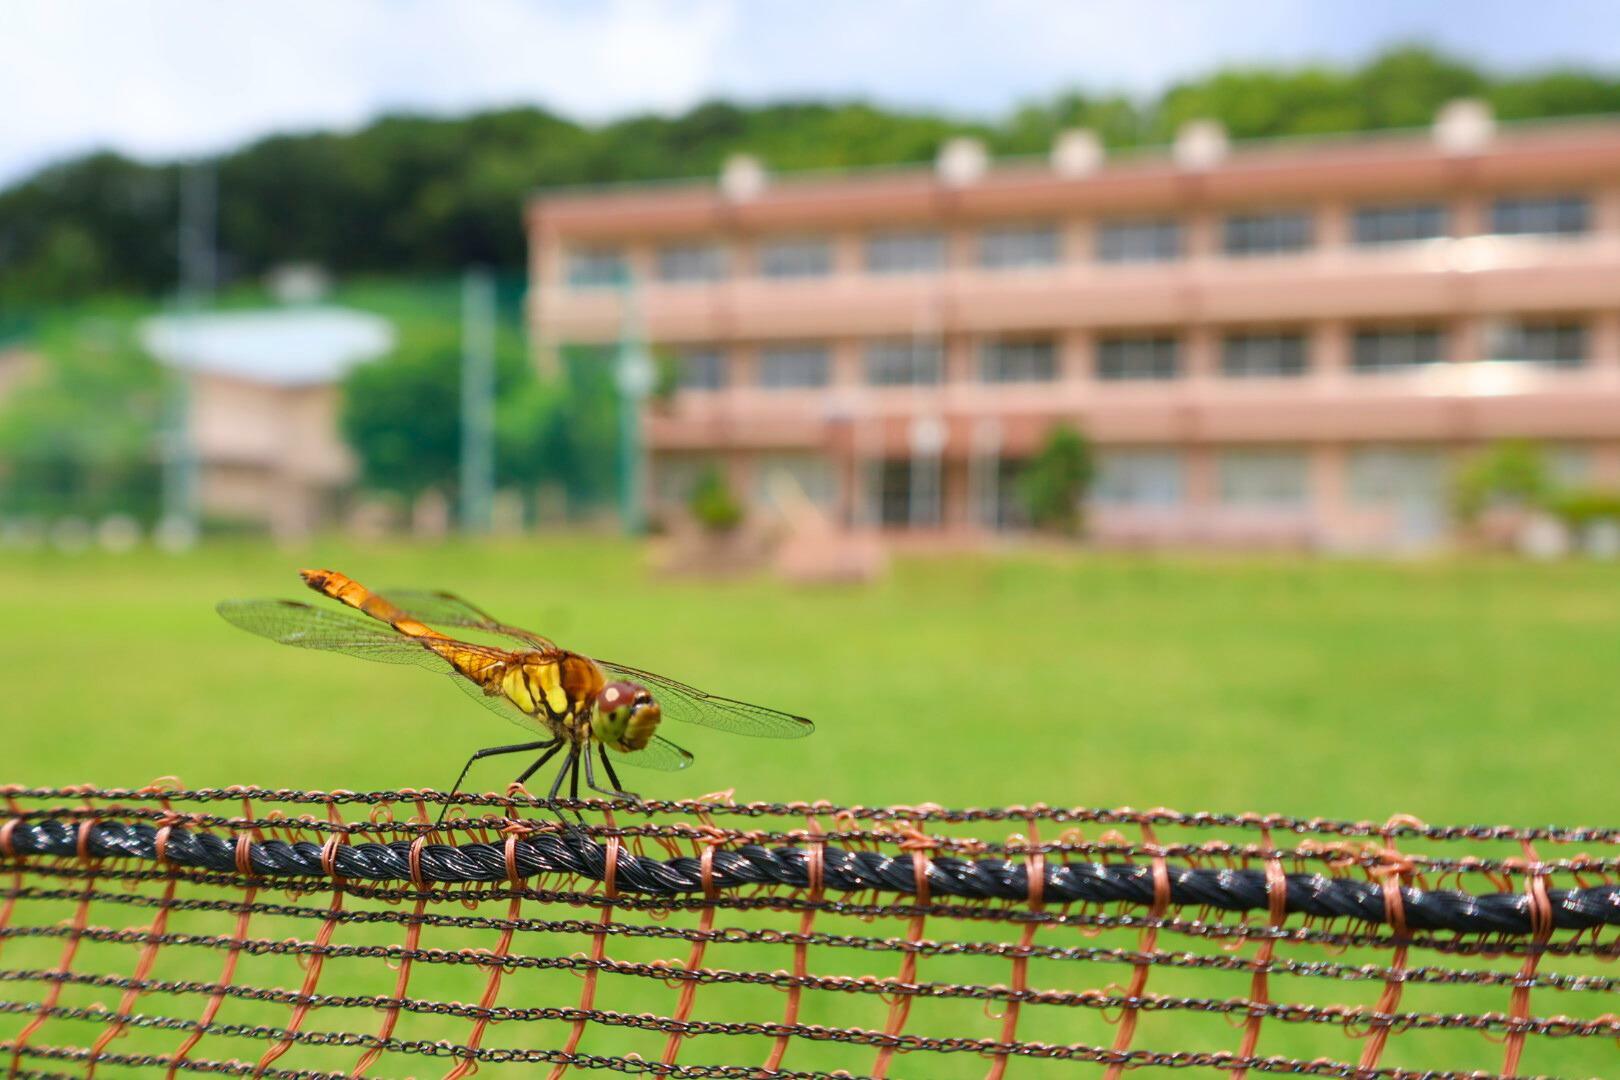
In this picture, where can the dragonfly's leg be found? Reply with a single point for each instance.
(492, 751)
(550, 753)
(556, 785)
(617, 789)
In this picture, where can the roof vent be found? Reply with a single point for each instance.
(1076, 152)
(1464, 126)
(1200, 145)
(743, 177)
(962, 161)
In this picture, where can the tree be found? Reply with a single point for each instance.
(563, 433)
(713, 504)
(1054, 486)
(1511, 471)
(81, 438)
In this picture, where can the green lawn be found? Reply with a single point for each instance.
(1455, 691)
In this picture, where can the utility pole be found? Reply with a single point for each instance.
(198, 268)
(633, 375)
(477, 399)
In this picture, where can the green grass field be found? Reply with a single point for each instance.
(1455, 691)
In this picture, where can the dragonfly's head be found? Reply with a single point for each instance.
(626, 716)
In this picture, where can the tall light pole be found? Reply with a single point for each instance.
(199, 198)
(633, 376)
(477, 400)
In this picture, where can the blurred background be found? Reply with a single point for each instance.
(1174, 403)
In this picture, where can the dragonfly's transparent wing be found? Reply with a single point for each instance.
(290, 622)
(447, 609)
(500, 705)
(690, 705)
(660, 754)
(305, 626)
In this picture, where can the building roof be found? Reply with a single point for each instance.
(1370, 163)
(298, 346)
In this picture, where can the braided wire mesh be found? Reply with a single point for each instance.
(258, 932)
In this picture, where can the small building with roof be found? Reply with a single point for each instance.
(262, 405)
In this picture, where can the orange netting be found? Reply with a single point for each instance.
(308, 934)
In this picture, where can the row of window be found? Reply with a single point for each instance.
(904, 491)
(1041, 244)
(1282, 354)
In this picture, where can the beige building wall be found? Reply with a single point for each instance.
(269, 455)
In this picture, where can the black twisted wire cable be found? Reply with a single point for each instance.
(844, 870)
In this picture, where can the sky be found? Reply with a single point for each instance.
(165, 78)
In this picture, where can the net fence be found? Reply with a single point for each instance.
(256, 932)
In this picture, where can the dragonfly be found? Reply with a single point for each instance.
(586, 709)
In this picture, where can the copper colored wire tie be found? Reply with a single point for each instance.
(1035, 876)
(1150, 938)
(1541, 921)
(814, 865)
(1391, 877)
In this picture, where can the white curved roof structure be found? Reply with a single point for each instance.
(299, 346)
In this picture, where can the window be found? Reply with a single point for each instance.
(795, 258)
(691, 262)
(1397, 224)
(1006, 507)
(1570, 465)
(597, 269)
(1122, 358)
(1556, 344)
(1263, 479)
(1547, 215)
(1396, 350)
(1009, 360)
(1139, 478)
(700, 367)
(1019, 245)
(1266, 234)
(1138, 241)
(1382, 476)
(806, 473)
(793, 367)
(1246, 356)
(905, 252)
(904, 492)
(903, 362)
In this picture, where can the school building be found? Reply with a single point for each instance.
(1284, 343)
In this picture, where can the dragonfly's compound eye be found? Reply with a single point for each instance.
(626, 716)
(618, 698)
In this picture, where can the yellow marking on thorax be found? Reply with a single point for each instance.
(551, 686)
(516, 687)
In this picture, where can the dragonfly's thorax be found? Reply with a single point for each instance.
(558, 689)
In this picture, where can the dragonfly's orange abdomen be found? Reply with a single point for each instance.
(346, 590)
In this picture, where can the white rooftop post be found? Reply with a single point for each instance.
(1200, 145)
(1464, 126)
(743, 177)
(963, 160)
(1076, 152)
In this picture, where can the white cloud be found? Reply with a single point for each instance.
(167, 77)
(160, 78)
